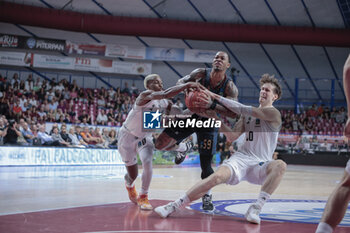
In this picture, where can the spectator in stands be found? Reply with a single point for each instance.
(4, 107)
(64, 134)
(16, 110)
(27, 134)
(33, 102)
(325, 145)
(57, 137)
(78, 134)
(53, 104)
(113, 139)
(126, 89)
(102, 118)
(29, 83)
(101, 102)
(22, 88)
(84, 118)
(134, 90)
(66, 93)
(88, 138)
(312, 112)
(15, 79)
(340, 117)
(110, 116)
(11, 133)
(100, 142)
(75, 142)
(36, 140)
(37, 84)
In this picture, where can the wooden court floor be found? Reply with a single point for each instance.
(93, 199)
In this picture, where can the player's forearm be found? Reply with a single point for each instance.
(183, 80)
(235, 106)
(224, 111)
(173, 91)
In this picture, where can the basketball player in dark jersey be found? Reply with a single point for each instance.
(215, 80)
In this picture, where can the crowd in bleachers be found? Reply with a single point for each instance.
(27, 105)
(30, 104)
(314, 120)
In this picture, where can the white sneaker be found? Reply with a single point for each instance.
(165, 210)
(252, 214)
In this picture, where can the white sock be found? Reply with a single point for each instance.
(262, 199)
(182, 147)
(324, 228)
(182, 201)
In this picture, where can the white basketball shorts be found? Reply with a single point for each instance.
(245, 167)
(129, 145)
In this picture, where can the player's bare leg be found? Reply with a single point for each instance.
(130, 177)
(275, 171)
(336, 206)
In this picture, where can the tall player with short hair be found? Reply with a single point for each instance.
(338, 201)
(253, 161)
(216, 80)
(133, 140)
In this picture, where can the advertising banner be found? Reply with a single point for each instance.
(124, 51)
(53, 62)
(9, 41)
(138, 68)
(93, 64)
(195, 55)
(25, 42)
(85, 49)
(16, 59)
(166, 54)
(43, 44)
(77, 63)
(11, 156)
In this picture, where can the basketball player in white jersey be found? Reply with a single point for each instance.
(253, 161)
(133, 139)
(338, 201)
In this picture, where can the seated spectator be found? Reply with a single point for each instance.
(27, 134)
(57, 137)
(75, 142)
(11, 133)
(100, 141)
(102, 118)
(113, 139)
(64, 134)
(46, 139)
(88, 138)
(80, 138)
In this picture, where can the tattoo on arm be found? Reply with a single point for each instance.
(193, 77)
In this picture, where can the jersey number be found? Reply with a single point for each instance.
(206, 144)
(250, 136)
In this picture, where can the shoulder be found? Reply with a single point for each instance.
(198, 73)
(231, 90)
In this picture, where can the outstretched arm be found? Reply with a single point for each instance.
(194, 76)
(149, 95)
(267, 114)
(346, 84)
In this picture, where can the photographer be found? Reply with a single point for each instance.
(11, 133)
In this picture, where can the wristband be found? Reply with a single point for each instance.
(213, 105)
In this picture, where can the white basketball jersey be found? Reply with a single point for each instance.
(134, 121)
(260, 139)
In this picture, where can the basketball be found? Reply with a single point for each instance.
(191, 98)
